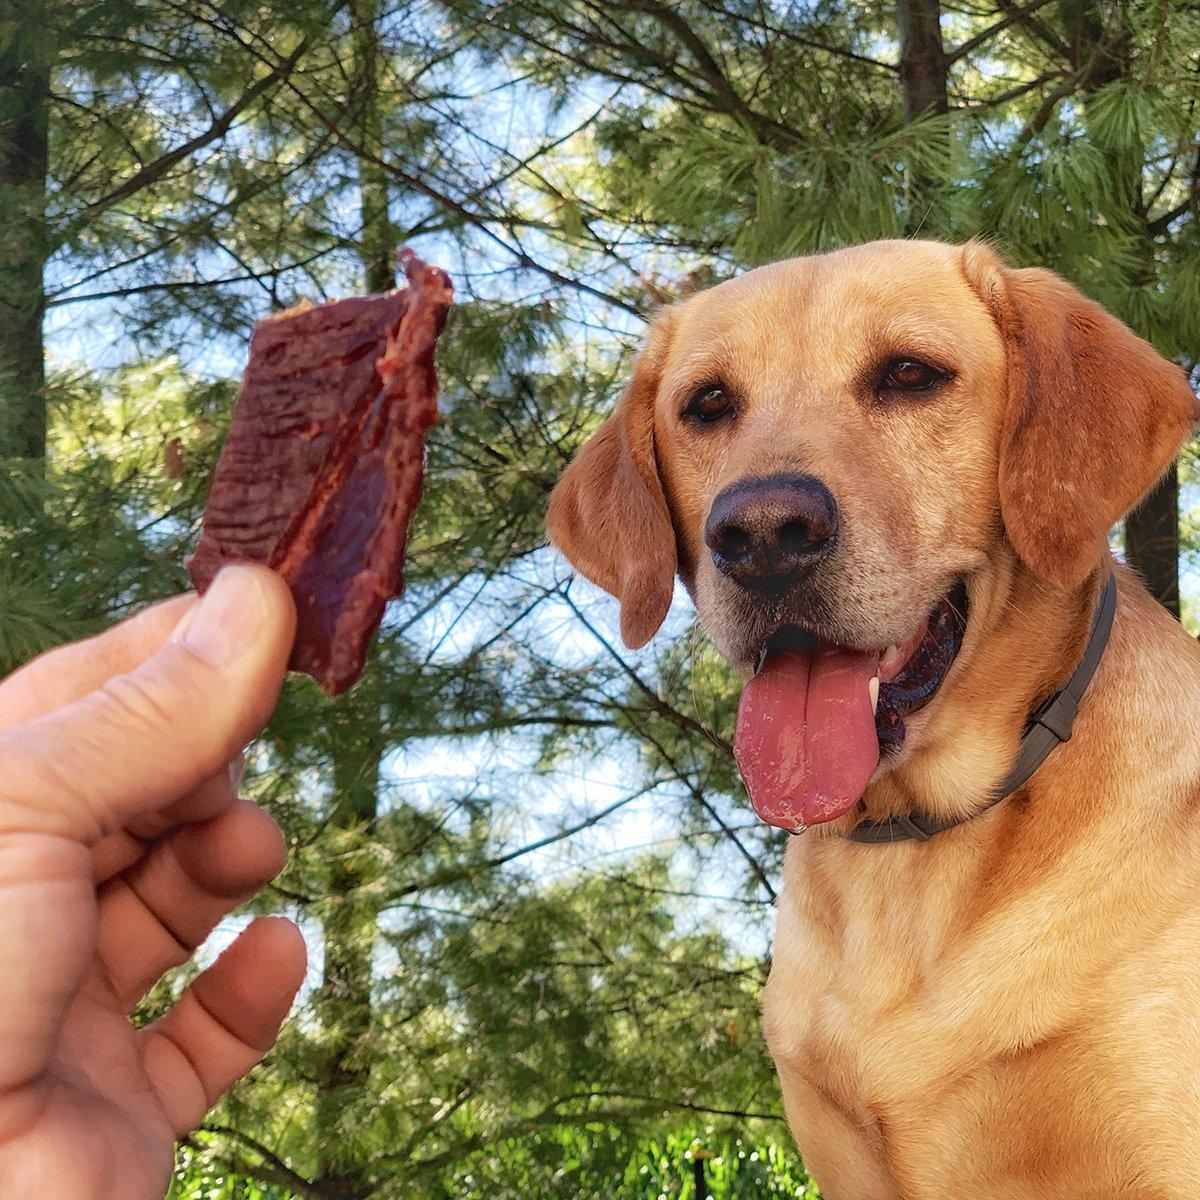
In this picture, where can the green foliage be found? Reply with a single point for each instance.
(105, 528)
(194, 1180)
(585, 1164)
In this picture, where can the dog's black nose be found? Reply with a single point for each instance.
(765, 533)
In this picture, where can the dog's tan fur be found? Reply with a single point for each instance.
(1013, 1009)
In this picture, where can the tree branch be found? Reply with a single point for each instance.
(789, 35)
(674, 1102)
(656, 701)
(455, 874)
(702, 800)
(1014, 16)
(154, 171)
(1039, 29)
(771, 131)
(479, 221)
(185, 285)
(277, 1170)
(1190, 203)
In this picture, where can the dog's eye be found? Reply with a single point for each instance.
(708, 404)
(910, 375)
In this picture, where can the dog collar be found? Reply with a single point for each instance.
(1049, 724)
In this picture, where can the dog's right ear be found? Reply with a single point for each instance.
(608, 514)
(1094, 417)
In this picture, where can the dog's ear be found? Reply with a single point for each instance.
(1094, 416)
(608, 514)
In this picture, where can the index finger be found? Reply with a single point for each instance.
(67, 673)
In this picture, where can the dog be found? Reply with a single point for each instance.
(886, 477)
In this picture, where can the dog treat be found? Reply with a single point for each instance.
(323, 464)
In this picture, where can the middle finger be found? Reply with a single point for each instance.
(153, 916)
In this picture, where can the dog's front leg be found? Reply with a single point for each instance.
(843, 1157)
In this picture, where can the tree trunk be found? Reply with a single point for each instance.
(923, 66)
(349, 943)
(26, 55)
(351, 927)
(1152, 541)
(377, 246)
(923, 74)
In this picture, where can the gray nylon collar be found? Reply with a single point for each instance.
(1049, 724)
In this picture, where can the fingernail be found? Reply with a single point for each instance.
(228, 619)
(237, 768)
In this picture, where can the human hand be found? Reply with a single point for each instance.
(122, 844)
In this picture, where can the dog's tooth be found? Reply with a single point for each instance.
(889, 657)
(873, 692)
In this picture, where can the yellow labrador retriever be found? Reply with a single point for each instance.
(886, 477)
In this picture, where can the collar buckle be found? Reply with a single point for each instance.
(909, 824)
(1057, 715)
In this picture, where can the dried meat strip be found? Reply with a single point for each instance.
(323, 464)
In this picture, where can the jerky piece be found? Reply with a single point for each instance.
(323, 463)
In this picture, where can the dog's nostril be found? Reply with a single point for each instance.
(736, 543)
(799, 537)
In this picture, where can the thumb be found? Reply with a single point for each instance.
(146, 738)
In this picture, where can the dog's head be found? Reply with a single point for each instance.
(827, 449)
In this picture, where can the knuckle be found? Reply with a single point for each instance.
(177, 707)
(144, 707)
(66, 773)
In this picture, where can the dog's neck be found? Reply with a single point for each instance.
(1024, 639)
(896, 942)
(900, 903)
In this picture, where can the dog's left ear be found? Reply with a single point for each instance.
(608, 514)
(1094, 416)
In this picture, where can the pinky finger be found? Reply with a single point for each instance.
(225, 1022)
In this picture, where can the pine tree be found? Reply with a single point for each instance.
(26, 54)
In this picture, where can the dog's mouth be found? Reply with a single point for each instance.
(817, 716)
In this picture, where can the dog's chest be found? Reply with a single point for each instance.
(929, 1045)
(864, 1109)
(843, 964)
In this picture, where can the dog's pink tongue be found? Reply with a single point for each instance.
(805, 741)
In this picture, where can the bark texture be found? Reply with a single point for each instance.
(26, 55)
(924, 68)
(351, 926)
